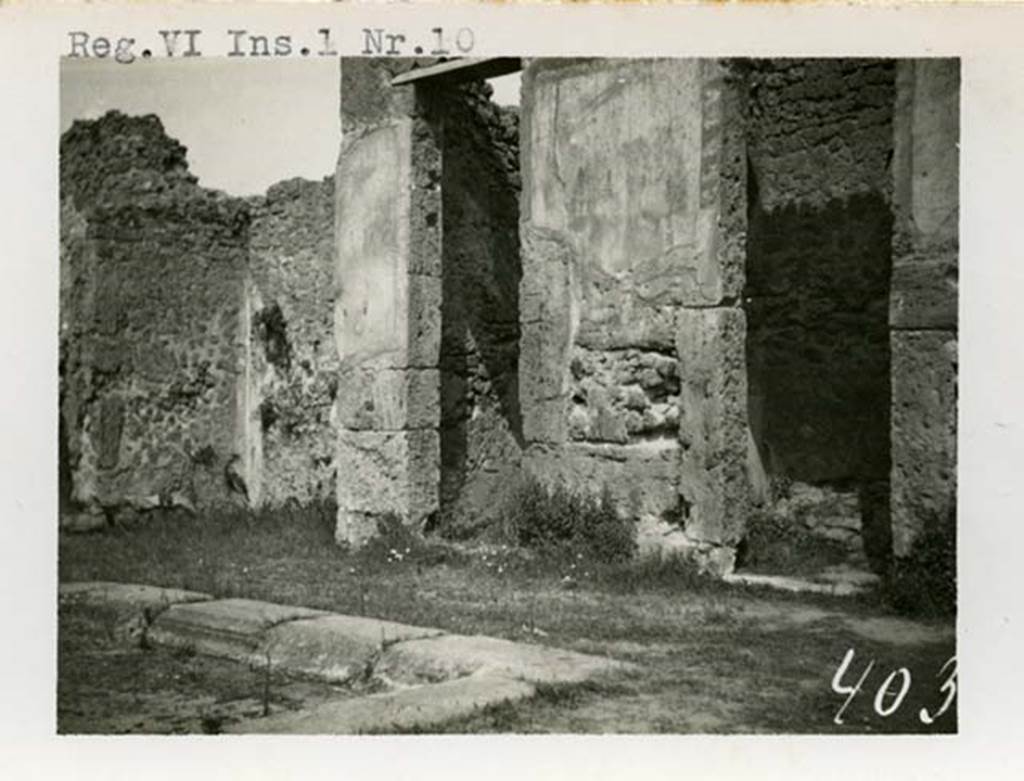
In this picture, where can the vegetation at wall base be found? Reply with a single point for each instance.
(395, 542)
(559, 521)
(923, 584)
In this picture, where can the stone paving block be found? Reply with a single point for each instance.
(128, 600)
(334, 648)
(404, 709)
(454, 656)
(231, 628)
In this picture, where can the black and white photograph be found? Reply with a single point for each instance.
(420, 389)
(508, 395)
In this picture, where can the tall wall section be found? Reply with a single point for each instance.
(820, 143)
(293, 359)
(387, 302)
(632, 371)
(923, 312)
(427, 310)
(152, 322)
(481, 427)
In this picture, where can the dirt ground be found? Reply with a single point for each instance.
(109, 685)
(757, 668)
(711, 657)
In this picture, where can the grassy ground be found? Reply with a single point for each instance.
(711, 658)
(108, 686)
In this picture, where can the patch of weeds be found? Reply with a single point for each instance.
(923, 584)
(503, 559)
(395, 543)
(779, 545)
(559, 522)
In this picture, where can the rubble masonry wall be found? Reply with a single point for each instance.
(818, 266)
(820, 143)
(196, 329)
(153, 271)
(294, 362)
(481, 427)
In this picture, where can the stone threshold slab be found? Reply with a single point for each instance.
(450, 657)
(417, 708)
(127, 601)
(336, 648)
(229, 628)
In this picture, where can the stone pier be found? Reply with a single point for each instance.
(923, 300)
(387, 302)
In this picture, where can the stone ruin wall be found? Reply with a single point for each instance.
(480, 424)
(157, 284)
(150, 354)
(707, 322)
(820, 145)
(387, 311)
(426, 310)
(694, 313)
(294, 362)
(923, 305)
(631, 371)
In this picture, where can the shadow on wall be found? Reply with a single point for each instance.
(818, 358)
(481, 426)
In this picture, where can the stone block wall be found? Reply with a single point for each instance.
(923, 303)
(633, 225)
(427, 302)
(293, 360)
(387, 314)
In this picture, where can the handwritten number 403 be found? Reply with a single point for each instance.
(893, 690)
